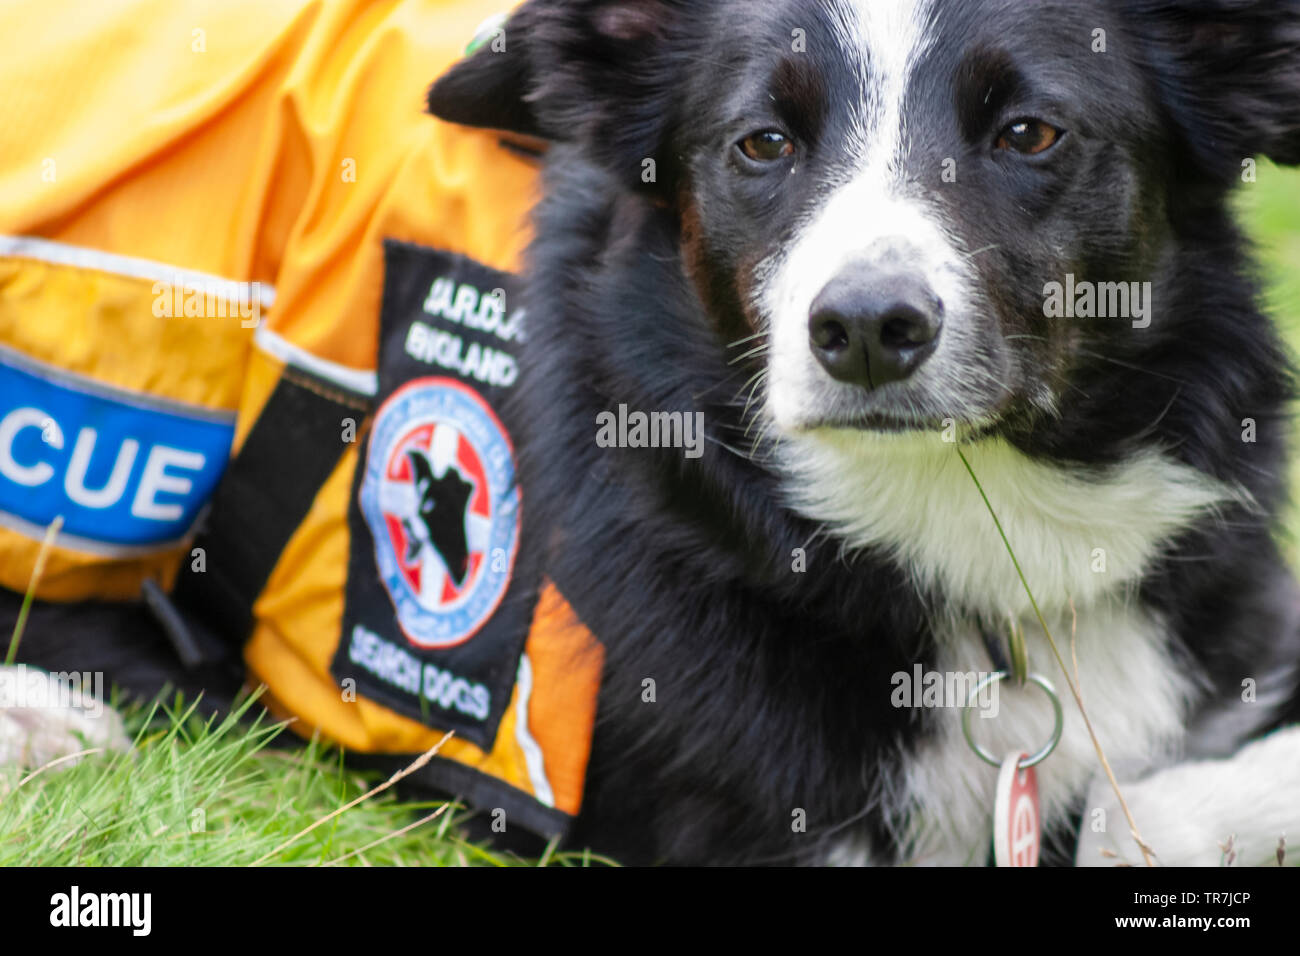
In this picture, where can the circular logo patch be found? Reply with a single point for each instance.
(440, 499)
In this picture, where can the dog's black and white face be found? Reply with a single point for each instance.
(875, 214)
(909, 186)
(882, 190)
(874, 203)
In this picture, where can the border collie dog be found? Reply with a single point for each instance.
(868, 239)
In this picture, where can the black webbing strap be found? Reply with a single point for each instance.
(267, 490)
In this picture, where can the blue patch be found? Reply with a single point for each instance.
(121, 471)
(440, 499)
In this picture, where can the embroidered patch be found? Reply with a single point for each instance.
(440, 500)
(441, 580)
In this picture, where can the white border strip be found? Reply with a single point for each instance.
(60, 253)
(533, 756)
(102, 549)
(354, 380)
(76, 382)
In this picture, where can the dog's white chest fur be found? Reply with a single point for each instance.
(1081, 538)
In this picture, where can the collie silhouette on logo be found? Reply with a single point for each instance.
(440, 520)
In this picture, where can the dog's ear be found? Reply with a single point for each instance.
(1231, 72)
(595, 72)
(489, 87)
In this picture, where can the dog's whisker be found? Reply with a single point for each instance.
(748, 338)
(989, 248)
(758, 350)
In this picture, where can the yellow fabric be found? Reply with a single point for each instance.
(102, 327)
(265, 142)
(113, 112)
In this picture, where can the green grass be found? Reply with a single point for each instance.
(1270, 209)
(212, 793)
(197, 793)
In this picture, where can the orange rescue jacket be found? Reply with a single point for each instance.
(255, 317)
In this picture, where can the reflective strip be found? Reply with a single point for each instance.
(46, 250)
(124, 396)
(100, 549)
(533, 756)
(60, 253)
(354, 380)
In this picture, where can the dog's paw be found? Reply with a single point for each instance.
(1209, 813)
(47, 716)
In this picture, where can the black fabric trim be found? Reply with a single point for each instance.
(475, 789)
(189, 650)
(124, 641)
(292, 449)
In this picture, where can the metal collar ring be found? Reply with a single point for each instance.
(1033, 759)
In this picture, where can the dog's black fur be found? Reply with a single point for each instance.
(772, 688)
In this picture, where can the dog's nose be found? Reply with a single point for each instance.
(869, 329)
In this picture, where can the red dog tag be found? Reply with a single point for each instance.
(1017, 833)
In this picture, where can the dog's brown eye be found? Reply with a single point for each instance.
(767, 146)
(1029, 137)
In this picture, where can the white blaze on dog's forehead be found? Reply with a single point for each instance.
(884, 39)
(872, 207)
